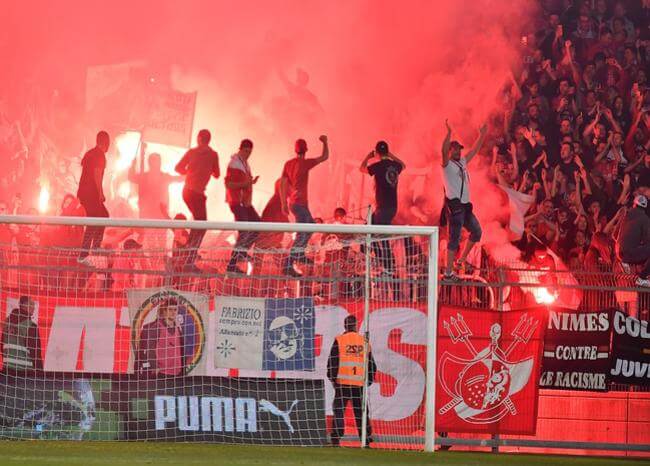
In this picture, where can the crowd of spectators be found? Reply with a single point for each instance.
(576, 131)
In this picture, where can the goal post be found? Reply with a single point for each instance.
(214, 353)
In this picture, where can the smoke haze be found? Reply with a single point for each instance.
(359, 71)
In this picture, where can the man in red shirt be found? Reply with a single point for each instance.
(198, 164)
(239, 196)
(294, 184)
(91, 193)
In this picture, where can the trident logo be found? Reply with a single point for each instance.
(498, 385)
(522, 332)
(459, 331)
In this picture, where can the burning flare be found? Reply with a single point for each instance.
(544, 296)
(43, 199)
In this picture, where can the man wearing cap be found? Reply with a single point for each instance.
(198, 164)
(345, 369)
(386, 173)
(239, 196)
(294, 185)
(21, 343)
(458, 207)
(633, 242)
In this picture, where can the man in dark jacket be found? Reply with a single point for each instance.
(160, 350)
(345, 369)
(198, 164)
(386, 173)
(633, 243)
(21, 343)
(91, 194)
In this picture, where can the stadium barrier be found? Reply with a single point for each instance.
(234, 388)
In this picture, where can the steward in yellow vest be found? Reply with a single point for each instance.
(345, 369)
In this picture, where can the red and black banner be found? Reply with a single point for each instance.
(488, 367)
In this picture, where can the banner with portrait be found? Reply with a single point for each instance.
(264, 334)
(168, 332)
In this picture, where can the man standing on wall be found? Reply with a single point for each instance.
(386, 173)
(153, 187)
(294, 184)
(198, 164)
(91, 193)
(459, 209)
(239, 196)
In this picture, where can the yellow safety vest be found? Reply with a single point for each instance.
(351, 356)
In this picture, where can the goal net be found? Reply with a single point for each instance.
(244, 342)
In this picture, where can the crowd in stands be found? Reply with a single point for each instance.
(576, 131)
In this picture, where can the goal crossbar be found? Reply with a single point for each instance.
(229, 226)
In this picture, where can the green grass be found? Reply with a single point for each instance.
(28, 453)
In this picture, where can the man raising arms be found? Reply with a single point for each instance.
(386, 173)
(457, 202)
(294, 184)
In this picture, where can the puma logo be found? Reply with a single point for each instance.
(269, 407)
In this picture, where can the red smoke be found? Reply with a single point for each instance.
(376, 70)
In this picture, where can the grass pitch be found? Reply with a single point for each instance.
(32, 453)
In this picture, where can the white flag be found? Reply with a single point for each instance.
(519, 203)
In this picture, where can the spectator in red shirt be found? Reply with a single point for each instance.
(294, 184)
(239, 196)
(198, 164)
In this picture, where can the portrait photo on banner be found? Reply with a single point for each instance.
(264, 334)
(168, 332)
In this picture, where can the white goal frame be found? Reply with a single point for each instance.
(432, 233)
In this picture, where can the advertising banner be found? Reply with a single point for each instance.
(96, 335)
(50, 406)
(65, 406)
(232, 410)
